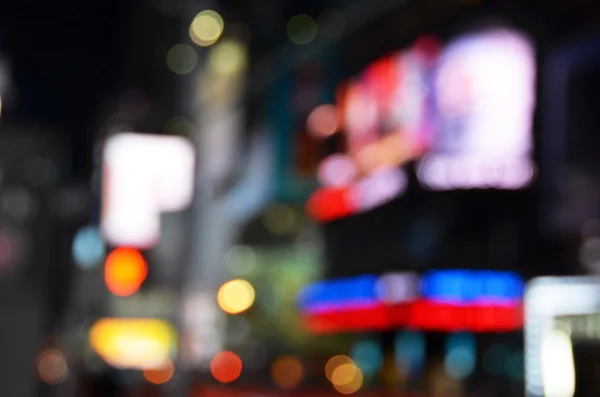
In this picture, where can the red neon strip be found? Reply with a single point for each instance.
(422, 315)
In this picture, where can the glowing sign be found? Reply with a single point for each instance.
(464, 114)
(547, 301)
(144, 176)
(464, 286)
(480, 301)
(484, 92)
(134, 343)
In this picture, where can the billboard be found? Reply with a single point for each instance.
(460, 112)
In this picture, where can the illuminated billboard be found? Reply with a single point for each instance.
(143, 176)
(462, 113)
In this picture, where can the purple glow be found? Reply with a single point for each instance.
(337, 170)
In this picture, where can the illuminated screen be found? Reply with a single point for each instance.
(484, 96)
(462, 112)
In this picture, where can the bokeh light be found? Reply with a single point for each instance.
(347, 378)
(88, 247)
(322, 122)
(301, 29)
(52, 366)
(226, 366)
(368, 357)
(160, 376)
(460, 355)
(335, 362)
(206, 28)
(287, 372)
(133, 342)
(229, 58)
(182, 58)
(280, 220)
(124, 271)
(235, 296)
(240, 260)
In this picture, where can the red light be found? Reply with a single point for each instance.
(226, 366)
(422, 315)
(124, 272)
(331, 203)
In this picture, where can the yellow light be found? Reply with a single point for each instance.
(52, 366)
(229, 58)
(350, 378)
(133, 343)
(335, 362)
(182, 58)
(301, 29)
(206, 28)
(235, 296)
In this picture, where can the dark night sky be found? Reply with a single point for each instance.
(66, 61)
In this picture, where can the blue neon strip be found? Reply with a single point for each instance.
(340, 293)
(465, 286)
(446, 286)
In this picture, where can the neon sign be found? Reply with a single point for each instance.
(479, 301)
(463, 114)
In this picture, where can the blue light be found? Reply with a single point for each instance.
(460, 355)
(88, 247)
(368, 357)
(466, 286)
(409, 351)
(341, 292)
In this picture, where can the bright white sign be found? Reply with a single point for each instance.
(144, 176)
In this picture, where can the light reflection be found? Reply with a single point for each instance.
(52, 366)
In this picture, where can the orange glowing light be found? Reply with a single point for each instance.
(160, 376)
(226, 366)
(52, 366)
(287, 372)
(125, 270)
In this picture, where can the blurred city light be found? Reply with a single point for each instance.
(368, 356)
(155, 175)
(134, 343)
(281, 219)
(322, 122)
(206, 28)
(240, 260)
(160, 376)
(301, 29)
(226, 366)
(88, 247)
(347, 378)
(337, 170)
(460, 355)
(235, 296)
(124, 271)
(52, 366)
(558, 368)
(334, 362)
(182, 58)
(229, 58)
(287, 372)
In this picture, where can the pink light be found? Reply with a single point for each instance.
(322, 122)
(337, 170)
